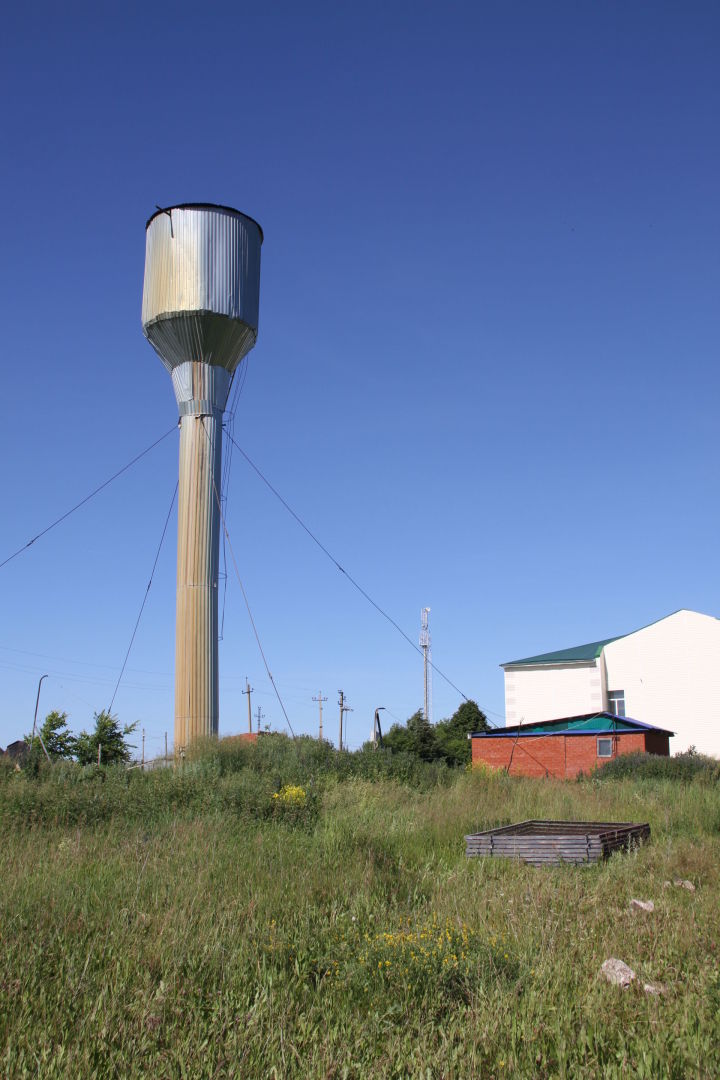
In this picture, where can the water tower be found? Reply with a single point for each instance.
(200, 313)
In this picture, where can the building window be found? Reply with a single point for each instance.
(616, 702)
(604, 747)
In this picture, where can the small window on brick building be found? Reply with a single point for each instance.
(604, 748)
(616, 702)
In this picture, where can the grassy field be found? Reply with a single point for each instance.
(222, 923)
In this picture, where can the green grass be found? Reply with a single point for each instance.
(193, 926)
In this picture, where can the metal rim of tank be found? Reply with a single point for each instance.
(204, 206)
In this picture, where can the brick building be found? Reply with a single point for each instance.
(665, 673)
(564, 748)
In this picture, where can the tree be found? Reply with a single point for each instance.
(58, 741)
(447, 740)
(452, 735)
(422, 737)
(397, 739)
(109, 737)
(416, 737)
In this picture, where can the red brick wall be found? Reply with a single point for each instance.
(562, 756)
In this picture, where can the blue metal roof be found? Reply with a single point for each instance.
(601, 723)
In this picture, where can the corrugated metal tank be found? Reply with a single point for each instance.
(201, 296)
(200, 313)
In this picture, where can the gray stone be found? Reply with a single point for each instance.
(617, 972)
(642, 905)
(683, 884)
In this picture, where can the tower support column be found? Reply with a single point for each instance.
(201, 390)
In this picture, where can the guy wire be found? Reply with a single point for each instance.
(144, 601)
(242, 589)
(87, 497)
(342, 570)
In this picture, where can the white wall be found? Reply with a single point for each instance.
(670, 673)
(551, 691)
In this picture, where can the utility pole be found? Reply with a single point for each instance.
(320, 700)
(37, 702)
(343, 709)
(260, 715)
(142, 763)
(425, 646)
(166, 747)
(377, 730)
(249, 693)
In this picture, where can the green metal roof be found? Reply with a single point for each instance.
(591, 651)
(599, 722)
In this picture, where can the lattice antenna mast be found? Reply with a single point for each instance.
(427, 669)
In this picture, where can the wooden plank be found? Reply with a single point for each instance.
(540, 842)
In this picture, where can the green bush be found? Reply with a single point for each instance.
(294, 761)
(684, 767)
(230, 774)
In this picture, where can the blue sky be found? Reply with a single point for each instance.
(487, 370)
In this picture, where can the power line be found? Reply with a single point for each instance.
(144, 600)
(84, 663)
(85, 680)
(342, 570)
(87, 498)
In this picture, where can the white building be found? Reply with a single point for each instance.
(666, 674)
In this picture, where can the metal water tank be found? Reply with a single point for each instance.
(200, 310)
